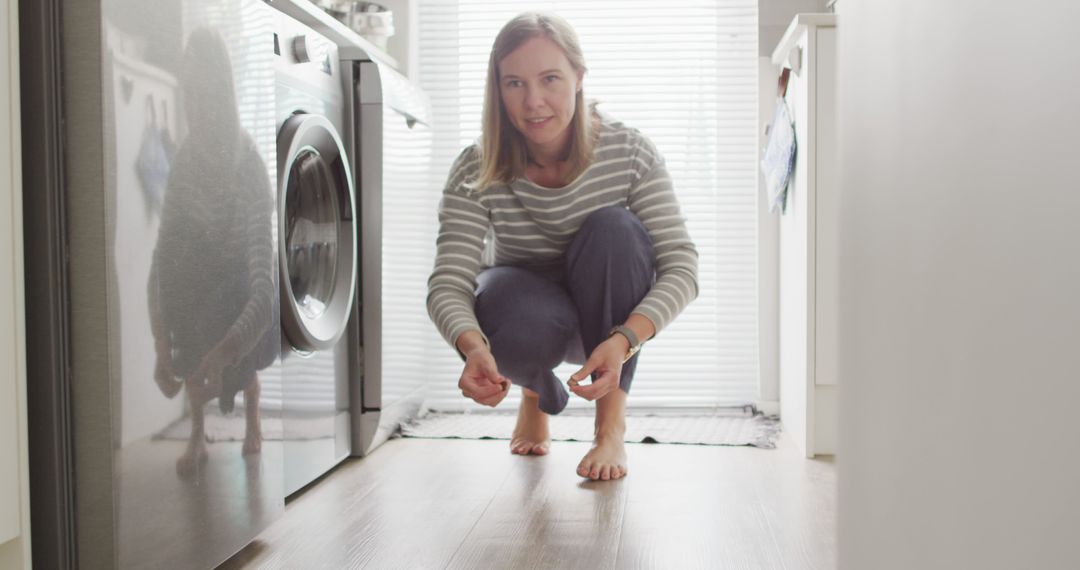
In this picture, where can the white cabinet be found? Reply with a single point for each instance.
(14, 487)
(808, 238)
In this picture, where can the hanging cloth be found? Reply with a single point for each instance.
(778, 159)
(152, 164)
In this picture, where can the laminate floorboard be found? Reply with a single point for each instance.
(439, 503)
(408, 505)
(723, 507)
(546, 516)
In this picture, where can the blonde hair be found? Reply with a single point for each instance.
(503, 154)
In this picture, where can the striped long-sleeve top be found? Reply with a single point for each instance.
(527, 225)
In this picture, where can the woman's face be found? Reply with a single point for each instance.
(538, 86)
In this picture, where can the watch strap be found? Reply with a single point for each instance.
(635, 343)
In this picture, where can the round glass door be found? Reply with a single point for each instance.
(317, 233)
(312, 212)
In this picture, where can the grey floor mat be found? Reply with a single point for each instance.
(752, 429)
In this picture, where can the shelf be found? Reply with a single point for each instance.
(350, 44)
(790, 39)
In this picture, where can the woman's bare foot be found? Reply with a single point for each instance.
(531, 432)
(191, 462)
(607, 458)
(253, 435)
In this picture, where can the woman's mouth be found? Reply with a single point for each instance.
(537, 123)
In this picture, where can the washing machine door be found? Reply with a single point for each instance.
(317, 235)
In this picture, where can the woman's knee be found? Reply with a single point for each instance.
(523, 349)
(612, 235)
(513, 294)
(617, 222)
(527, 319)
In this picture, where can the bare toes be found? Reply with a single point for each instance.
(605, 473)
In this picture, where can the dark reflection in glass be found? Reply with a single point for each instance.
(211, 289)
(311, 232)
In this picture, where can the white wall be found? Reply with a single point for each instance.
(774, 17)
(960, 285)
(14, 486)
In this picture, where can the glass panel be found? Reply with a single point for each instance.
(191, 278)
(311, 219)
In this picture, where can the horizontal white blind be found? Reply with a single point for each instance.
(684, 72)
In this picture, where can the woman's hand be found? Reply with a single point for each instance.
(481, 380)
(606, 359)
(163, 369)
(207, 379)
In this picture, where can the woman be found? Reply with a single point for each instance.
(212, 285)
(560, 236)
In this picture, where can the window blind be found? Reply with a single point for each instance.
(684, 72)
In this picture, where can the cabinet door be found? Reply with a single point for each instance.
(808, 252)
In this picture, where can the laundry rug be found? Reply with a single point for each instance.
(719, 428)
(232, 427)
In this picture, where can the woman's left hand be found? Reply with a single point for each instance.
(606, 360)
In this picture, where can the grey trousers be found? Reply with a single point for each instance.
(535, 323)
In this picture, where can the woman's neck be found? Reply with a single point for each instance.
(549, 176)
(546, 163)
(547, 169)
(551, 154)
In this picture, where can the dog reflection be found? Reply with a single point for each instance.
(212, 289)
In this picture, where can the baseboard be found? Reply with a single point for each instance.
(768, 407)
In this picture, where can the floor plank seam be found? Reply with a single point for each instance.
(480, 517)
(622, 523)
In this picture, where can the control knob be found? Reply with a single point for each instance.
(301, 49)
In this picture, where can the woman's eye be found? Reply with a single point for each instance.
(513, 83)
(551, 78)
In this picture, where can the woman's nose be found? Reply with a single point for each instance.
(533, 98)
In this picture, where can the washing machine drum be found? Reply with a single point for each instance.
(316, 232)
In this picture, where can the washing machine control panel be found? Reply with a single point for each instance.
(297, 44)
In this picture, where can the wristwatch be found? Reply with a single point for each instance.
(635, 344)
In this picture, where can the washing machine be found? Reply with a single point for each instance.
(390, 143)
(318, 258)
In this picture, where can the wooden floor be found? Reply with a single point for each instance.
(419, 503)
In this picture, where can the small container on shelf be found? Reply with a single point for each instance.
(372, 21)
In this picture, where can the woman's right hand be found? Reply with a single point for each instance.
(163, 369)
(481, 380)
